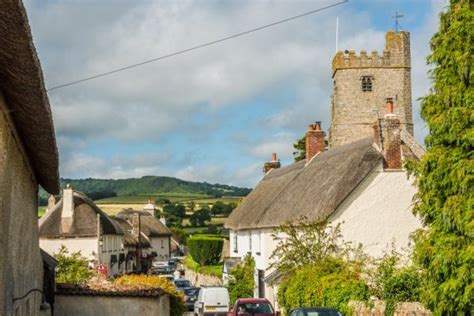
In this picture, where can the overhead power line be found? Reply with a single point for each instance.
(198, 46)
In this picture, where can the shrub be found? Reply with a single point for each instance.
(205, 250)
(330, 284)
(72, 268)
(177, 306)
(241, 280)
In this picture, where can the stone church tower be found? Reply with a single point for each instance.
(364, 83)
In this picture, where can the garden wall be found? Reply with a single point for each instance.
(199, 279)
(402, 309)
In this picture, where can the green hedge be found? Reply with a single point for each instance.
(322, 286)
(205, 250)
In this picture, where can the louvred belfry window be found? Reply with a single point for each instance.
(366, 83)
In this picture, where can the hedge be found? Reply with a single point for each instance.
(205, 250)
(316, 286)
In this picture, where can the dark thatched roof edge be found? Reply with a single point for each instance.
(22, 84)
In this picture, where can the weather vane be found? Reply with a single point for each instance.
(397, 24)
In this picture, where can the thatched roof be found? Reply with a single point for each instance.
(128, 239)
(313, 190)
(149, 225)
(84, 220)
(22, 85)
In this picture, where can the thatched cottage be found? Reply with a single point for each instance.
(360, 184)
(153, 232)
(28, 158)
(80, 225)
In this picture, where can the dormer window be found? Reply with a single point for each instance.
(366, 83)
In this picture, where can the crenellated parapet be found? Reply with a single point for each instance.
(395, 54)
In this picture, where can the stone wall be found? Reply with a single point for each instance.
(199, 279)
(378, 309)
(20, 260)
(92, 305)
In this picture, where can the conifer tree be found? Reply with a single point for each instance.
(445, 247)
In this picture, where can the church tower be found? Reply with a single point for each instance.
(364, 83)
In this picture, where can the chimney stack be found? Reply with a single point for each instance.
(51, 202)
(68, 202)
(315, 140)
(273, 164)
(387, 136)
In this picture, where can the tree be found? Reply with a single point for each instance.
(306, 243)
(174, 214)
(200, 217)
(444, 248)
(241, 280)
(72, 268)
(300, 149)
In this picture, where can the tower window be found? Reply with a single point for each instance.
(366, 83)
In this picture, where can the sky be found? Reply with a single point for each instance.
(214, 114)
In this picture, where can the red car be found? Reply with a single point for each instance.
(253, 307)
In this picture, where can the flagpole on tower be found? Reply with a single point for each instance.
(397, 24)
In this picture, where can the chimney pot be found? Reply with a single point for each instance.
(274, 157)
(317, 125)
(389, 106)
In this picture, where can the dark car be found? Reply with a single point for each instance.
(190, 296)
(315, 311)
(182, 284)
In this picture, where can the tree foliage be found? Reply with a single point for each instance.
(72, 267)
(241, 280)
(300, 149)
(306, 243)
(205, 250)
(200, 217)
(445, 248)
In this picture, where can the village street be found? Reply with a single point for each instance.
(270, 158)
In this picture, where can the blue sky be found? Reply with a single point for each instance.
(215, 114)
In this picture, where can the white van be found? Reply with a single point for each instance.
(212, 301)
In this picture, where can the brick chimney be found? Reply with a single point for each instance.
(389, 138)
(273, 164)
(315, 140)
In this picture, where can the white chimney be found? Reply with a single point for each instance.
(68, 202)
(163, 219)
(51, 203)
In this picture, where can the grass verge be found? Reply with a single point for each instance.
(214, 270)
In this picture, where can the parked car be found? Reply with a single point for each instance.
(181, 284)
(173, 263)
(190, 296)
(167, 276)
(212, 301)
(253, 306)
(315, 311)
(161, 267)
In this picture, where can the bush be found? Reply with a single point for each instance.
(214, 270)
(183, 236)
(330, 284)
(177, 306)
(72, 268)
(241, 280)
(205, 250)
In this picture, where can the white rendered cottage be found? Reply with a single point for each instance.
(361, 185)
(78, 224)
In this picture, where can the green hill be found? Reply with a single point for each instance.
(98, 189)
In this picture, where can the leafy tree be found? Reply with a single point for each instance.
(173, 220)
(200, 217)
(241, 280)
(218, 208)
(305, 243)
(180, 210)
(445, 173)
(72, 268)
(174, 214)
(183, 235)
(300, 149)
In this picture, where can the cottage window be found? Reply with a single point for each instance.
(162, 244)
(366, 83)
(235, 243)
(258, 245)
